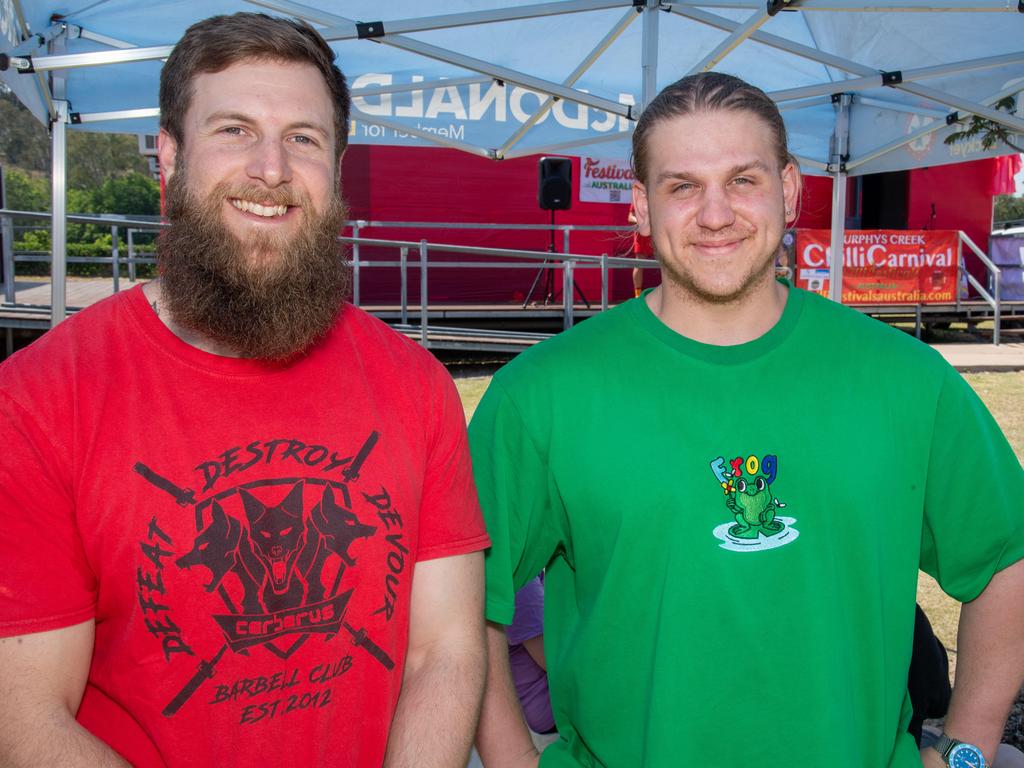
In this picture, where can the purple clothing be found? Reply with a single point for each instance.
(531, 681)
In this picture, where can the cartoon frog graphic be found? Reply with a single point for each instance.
(752, 503)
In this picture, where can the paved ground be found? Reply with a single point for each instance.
(972, 358)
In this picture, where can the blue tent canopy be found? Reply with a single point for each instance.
(480, 74)
(864, 85)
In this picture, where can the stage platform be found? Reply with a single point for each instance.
(506, 329)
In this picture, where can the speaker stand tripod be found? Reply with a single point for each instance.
(548, 272)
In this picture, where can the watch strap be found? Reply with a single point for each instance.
(944, 746)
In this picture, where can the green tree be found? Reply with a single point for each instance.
(94, 157)
(991, 132)
(23, 139)
(91, 157)
(1008, 208)
(132, 194)
(25, 191)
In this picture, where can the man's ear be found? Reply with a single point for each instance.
(643, 219)
(167, 152)
(792, 184)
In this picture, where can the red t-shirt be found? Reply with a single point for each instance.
(243, 534)
(642, 247)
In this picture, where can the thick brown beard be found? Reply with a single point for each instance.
(266, 297)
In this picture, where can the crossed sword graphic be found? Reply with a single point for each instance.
(186, 497)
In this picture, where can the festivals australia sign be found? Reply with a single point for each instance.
(882, 266)
(605, 180)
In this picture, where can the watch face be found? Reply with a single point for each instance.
(966, 756)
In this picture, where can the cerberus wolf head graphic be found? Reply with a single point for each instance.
(280, 553)
(216, 546)
(277, 535)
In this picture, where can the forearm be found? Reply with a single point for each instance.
(54, 739)
(44, 677)
(502, 739)
(990, 661)
(438, 709)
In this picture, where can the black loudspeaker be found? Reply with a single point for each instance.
(554, 192)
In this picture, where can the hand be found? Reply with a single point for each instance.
(931, 758)
(530, 759)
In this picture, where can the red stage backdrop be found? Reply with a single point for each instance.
(882, 266)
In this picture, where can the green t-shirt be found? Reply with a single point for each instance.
(732, 535)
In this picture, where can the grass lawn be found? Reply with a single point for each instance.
(1003, 393)
(471, 390)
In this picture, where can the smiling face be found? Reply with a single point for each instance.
(715, 202)
(258, 144)
(250, 264)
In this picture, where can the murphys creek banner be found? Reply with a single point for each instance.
(882, 266)
(605, 180)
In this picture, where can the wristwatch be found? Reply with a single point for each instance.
(959, 754)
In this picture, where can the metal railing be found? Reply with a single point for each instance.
(994, 278)
(426, 260)
(131, 227)
(566, 262)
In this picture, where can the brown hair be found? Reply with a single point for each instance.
(216, 43)
(707, 92)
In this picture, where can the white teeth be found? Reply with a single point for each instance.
(268, 211)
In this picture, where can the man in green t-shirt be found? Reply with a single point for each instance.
(731, 576)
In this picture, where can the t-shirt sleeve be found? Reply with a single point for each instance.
(46, 581)
(450, 519)
(519, 497)
(974, 521)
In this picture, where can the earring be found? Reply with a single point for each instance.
(789, 211)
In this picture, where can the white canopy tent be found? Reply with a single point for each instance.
(864, 85)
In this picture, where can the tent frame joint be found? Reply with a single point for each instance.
(369, 29)
(23, 64)
(895, 77)
(952, 117)
(774, 6)
(64, 115)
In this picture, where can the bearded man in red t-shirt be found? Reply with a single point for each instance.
(239, 519)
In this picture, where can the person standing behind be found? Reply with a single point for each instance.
(526, 657)
(641, 250)
(725, 587)
(239, 519)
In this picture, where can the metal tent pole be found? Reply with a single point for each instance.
(6, 243)
(59, 119)
(341, 27)
(576, 74)
(649, 55)
(837, 167)
(58, 219)
(742, 32)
